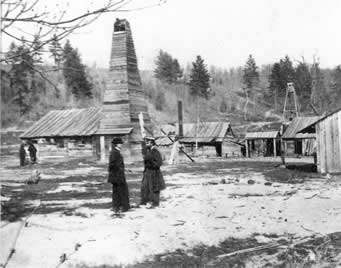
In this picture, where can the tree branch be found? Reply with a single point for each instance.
(43, 76)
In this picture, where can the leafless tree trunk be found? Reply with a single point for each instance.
(276, 104)
(53, 23)
(246, 103)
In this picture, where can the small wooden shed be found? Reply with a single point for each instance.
(211, 137)
(328, 137)
(299, 143)
(263, 139)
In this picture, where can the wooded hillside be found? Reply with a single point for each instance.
(241, 94)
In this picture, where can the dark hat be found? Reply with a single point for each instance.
(117, 140)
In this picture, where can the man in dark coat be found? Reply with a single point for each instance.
(22, 154)
(152, 182)
(33, 152)
(120, 195)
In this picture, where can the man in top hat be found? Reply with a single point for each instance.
(152, 182)
(120, 195)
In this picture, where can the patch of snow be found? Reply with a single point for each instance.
(76, 202)
(81, 171)
(193, 212)
(4, 198)
(67, 186)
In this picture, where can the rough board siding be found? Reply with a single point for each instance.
(329, 144)
(123, 98)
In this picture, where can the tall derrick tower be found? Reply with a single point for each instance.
(291, 108)
(123, 98)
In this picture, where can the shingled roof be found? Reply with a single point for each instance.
(65, 123)
(262, 135)
(207, 132)
(297, 124)
(260, 130)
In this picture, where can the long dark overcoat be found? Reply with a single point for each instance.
(116, 168)
(153, 180)
(120, 195)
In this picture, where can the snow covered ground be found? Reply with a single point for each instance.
(196, 208)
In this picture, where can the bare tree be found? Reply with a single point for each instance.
(37, 25)
(54, 22)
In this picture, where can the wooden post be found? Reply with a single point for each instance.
(275, 152)
(102, 148)
(318, 147)
(283, 151)
(196, 127)
(285, 148)
(247, 148)
(141, 122)
(181, 129)
(95, 149)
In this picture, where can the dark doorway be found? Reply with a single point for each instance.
(298, 147)
(218, 149)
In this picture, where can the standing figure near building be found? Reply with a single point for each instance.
(152, 182)
(22, 154)
(33, 152)
(120, 194)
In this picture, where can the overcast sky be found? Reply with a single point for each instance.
(223, 32)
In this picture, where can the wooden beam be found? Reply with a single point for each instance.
(318, 148)
(283, 151)
(102, 148)
(339, 141)
(190, 158)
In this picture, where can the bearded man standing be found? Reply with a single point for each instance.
(152, 182)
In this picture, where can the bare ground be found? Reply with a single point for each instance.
(210, 208)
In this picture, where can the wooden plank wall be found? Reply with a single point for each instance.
(318, 148)
(124, 98)
(329, 144)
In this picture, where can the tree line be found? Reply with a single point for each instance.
(30, 87)
(317, 90)
(168, 70)
(26, 80)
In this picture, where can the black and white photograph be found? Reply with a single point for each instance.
(170, 133)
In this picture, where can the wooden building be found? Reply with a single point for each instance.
(208, 135)
(296, 143)
(66, 128)
(263, 140)
(328, 140)
(212, 138)
(118, 116)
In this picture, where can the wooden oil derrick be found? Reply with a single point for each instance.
(291, 108)
(124, 97)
